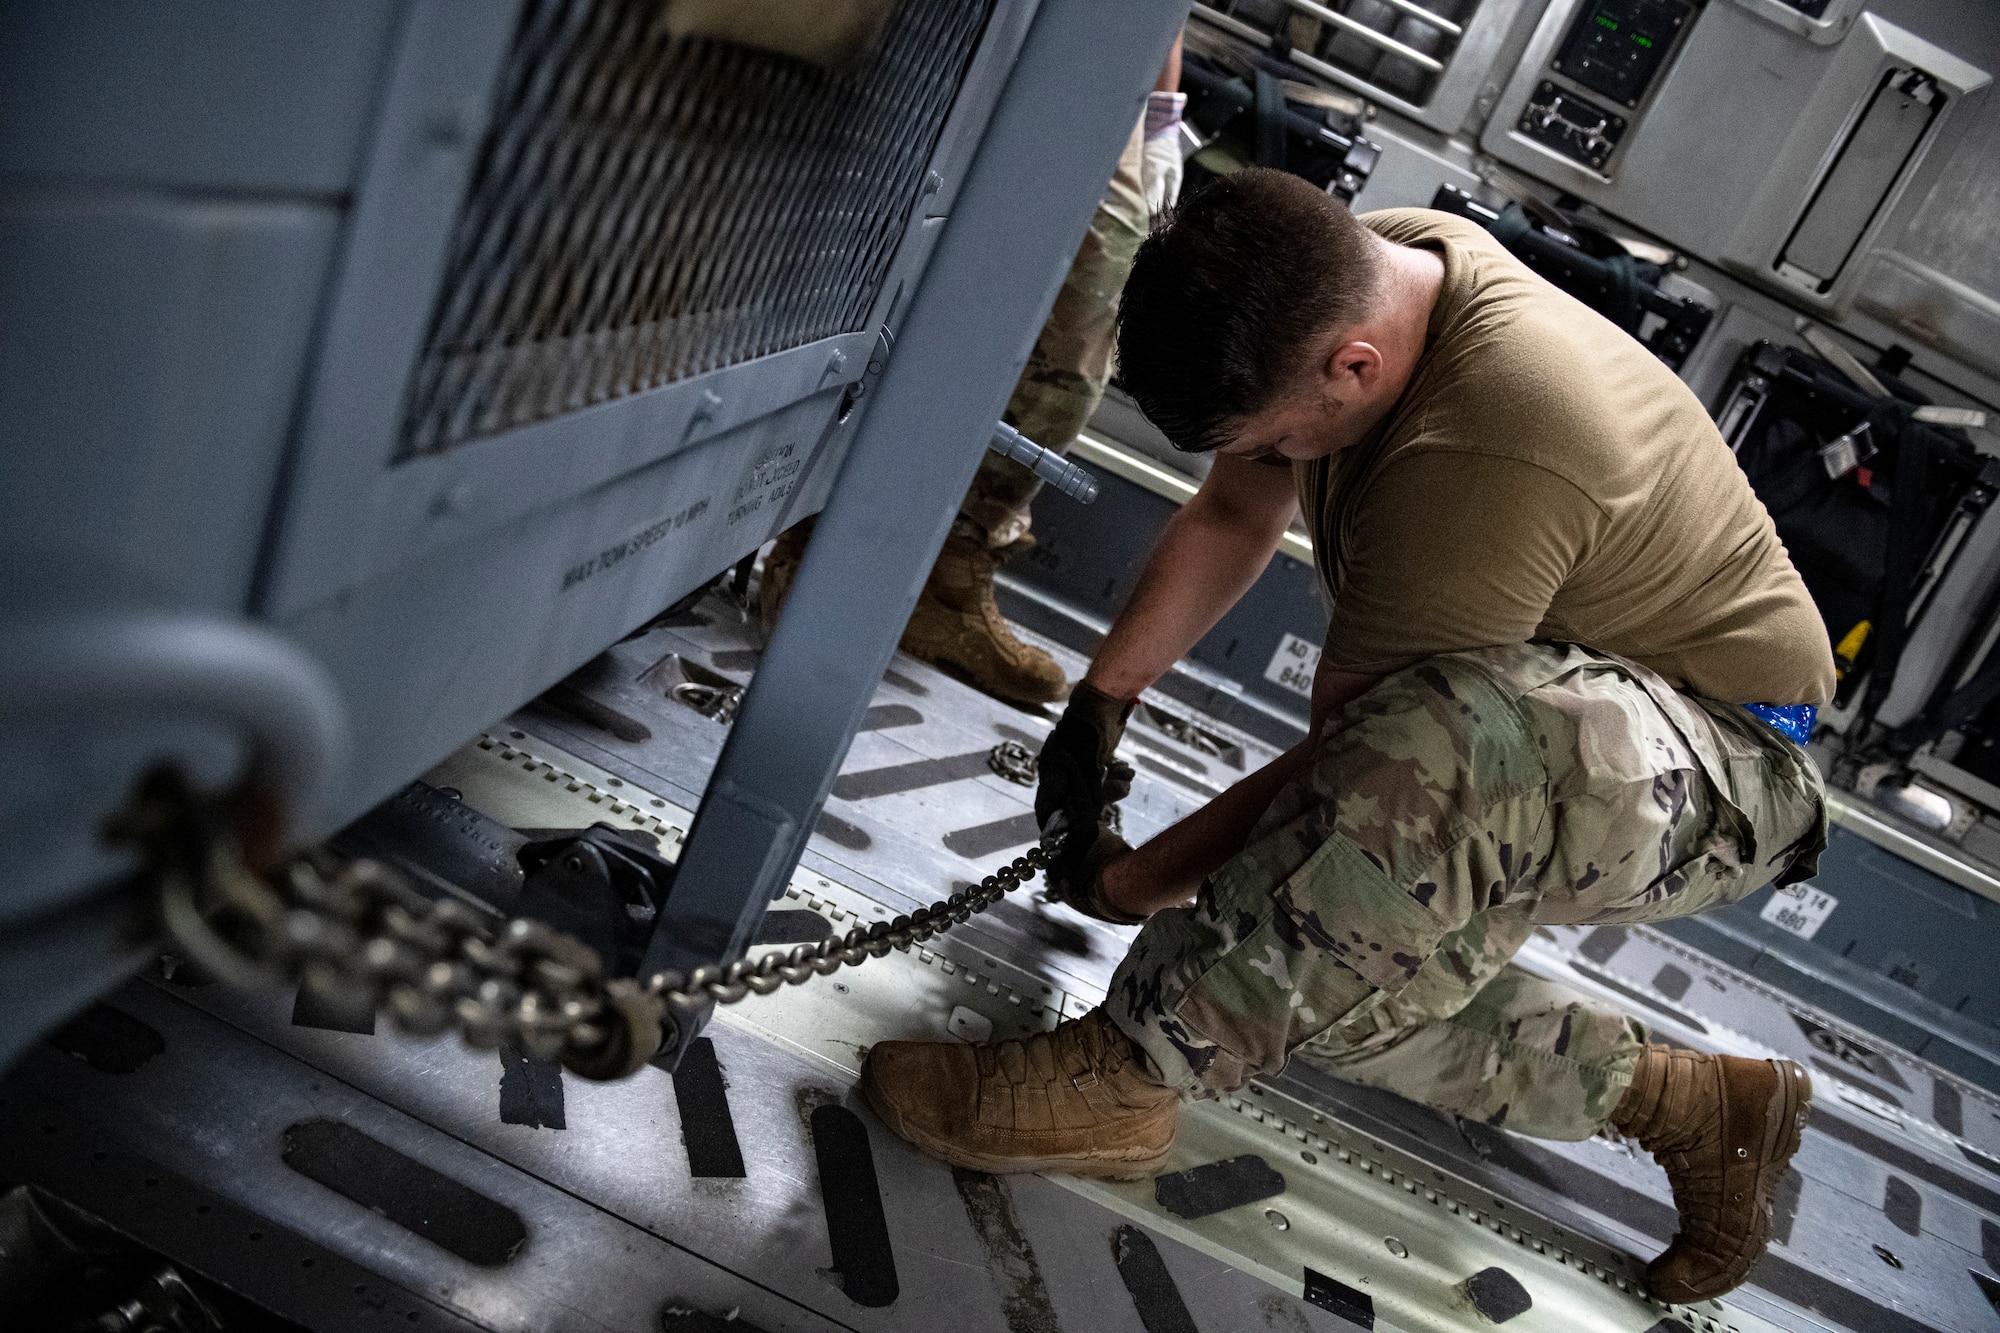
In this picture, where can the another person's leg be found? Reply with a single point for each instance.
(956, 624)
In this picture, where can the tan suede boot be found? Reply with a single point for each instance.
(1724, 1128)
(1081, 1100)
(957, 628)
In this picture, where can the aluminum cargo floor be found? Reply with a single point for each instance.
(1891, 1220)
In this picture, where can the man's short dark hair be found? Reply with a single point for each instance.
(1227, 296)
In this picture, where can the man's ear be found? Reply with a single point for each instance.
(1352, 366)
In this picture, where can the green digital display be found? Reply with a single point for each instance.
(1616, 47)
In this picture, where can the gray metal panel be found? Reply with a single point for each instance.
(225, 95)
(432, 651)
(149, 363)
(1752, 112)
(1718, 116)
(1872, 158)
(1408, 173)
(1821, 130)
(1066, 110)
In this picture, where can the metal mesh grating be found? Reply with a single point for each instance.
(647, 208)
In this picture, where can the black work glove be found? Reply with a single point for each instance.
(1081, 775)
(1080, 886)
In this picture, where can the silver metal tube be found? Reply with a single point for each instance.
(1047, 464)
(1253, 33)
(1415, 11)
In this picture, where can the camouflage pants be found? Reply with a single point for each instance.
(1071, 361)
(1368, 923)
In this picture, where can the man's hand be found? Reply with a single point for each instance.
(1081, 775)
(1079, 883)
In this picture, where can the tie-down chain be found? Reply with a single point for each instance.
(358, 936)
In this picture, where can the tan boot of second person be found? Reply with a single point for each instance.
(781, 566)
(1081, 1099)
(1724, 1128)
(956, 626)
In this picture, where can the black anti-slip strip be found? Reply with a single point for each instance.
(1834, 1070)
(1216, 1186)
(1010, 1259)
(1641, 998)
(311, 1009)
(423, 1202)
(1785, 1205)
(1903, 1206)
(531, 1090)
(1822, 1296)
(1161, 1309)
(1947, 1107)
(841, 833)
(1987, 1288)
(108, 1040)
(793, 925)
(1172, 774)
(872, 782)
(884, 716)
(982, 840)
(1356, 1307)
(1984, 1161)
(1497, 1294)
(904, 683)
(856, 1229)
(1600, 946)
(706, 1125)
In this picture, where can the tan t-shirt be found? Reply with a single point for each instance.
(1545, 477)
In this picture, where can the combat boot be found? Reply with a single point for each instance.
(1082, 1100)
(1724, 1128)
(957, 628)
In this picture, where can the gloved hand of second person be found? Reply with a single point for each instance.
(1081, 774)
(1160, 163)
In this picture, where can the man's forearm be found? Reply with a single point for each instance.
(1168, 869)
(1198, 570)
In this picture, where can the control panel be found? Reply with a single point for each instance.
(1572, 125)
(1615, 47)
(1589, 75)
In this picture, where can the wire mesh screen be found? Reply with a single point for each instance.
(647, 208)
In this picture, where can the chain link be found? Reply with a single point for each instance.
(358, 938)
(728, 984)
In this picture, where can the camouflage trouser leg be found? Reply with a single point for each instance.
(1501, 1045)
(1066, 373)
(1369, 919)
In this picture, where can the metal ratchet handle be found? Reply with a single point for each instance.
(1047, 464)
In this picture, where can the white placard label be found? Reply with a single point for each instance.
(1294, 665)
(1802, 916)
